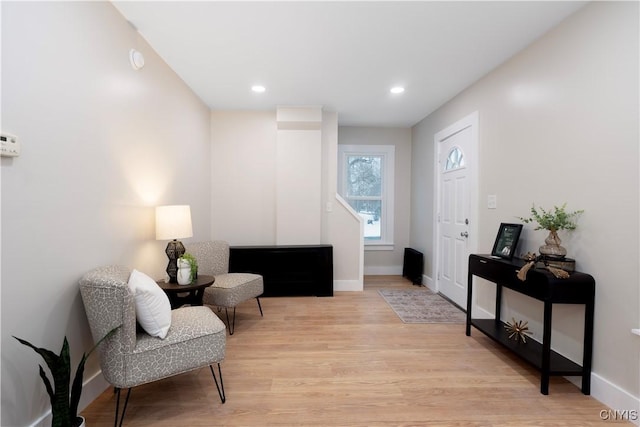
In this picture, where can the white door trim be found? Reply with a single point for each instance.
(469, 121)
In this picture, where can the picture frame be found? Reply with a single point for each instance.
(506, 240)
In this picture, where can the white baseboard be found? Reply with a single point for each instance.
(43, 421)
(347, 285)
(429, 283)
(624, 406)
(91, 389)
(382, 270)
(481, 313)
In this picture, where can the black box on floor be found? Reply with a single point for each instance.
(413, 265)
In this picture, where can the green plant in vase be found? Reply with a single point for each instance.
(553, 221)
(193, 264)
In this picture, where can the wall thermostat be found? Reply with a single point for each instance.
(9, 145)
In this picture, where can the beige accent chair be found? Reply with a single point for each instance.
(229, 289)
(128, 358)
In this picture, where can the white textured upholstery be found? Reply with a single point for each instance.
(212, 257)
(229, 289)
(196, 338)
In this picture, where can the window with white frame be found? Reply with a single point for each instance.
(365, 181)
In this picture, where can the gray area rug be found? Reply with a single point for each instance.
(422, 306)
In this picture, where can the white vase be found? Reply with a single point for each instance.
(184, 272)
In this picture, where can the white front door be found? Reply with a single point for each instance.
(456, 217)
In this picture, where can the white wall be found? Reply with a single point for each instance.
(559, 123)
(102, 144)
(243, 188)
(377, 261)
(341, 226)
(243, 171)
(299, 176)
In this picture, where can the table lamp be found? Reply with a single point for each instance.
(172, 223)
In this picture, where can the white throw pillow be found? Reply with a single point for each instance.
(153, 309)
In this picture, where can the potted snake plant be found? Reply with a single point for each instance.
(64, 402)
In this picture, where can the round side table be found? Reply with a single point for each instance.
(194, 291)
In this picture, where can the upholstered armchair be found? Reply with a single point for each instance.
(195, 338)
(229, 289)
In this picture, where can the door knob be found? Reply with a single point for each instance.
(465, 234)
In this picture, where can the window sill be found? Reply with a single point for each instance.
(379, 246)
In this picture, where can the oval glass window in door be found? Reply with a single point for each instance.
(455, 159)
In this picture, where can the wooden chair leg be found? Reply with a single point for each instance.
(259, 306)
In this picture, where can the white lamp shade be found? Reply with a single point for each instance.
(173, 222)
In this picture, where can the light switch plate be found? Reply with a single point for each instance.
(492, 201)
(9, 145)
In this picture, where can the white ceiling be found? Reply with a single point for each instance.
(344, 56)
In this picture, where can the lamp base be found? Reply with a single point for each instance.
(175, 249)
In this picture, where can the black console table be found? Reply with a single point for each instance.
(579, 288)
(295, 270)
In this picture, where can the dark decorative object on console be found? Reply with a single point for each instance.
(540, 261)
(506, 240)
(518, 330)
(566, 264)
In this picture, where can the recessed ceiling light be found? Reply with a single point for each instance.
(258, 88)
(397, 89)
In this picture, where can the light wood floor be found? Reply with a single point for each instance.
(349, 361)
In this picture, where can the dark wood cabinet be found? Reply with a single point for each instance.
(297, 270)
(540, 284)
